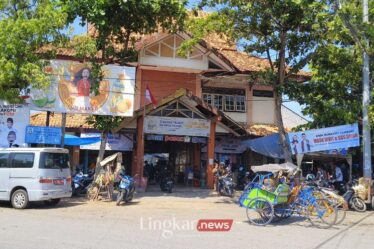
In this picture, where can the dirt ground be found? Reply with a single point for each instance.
(157, 220)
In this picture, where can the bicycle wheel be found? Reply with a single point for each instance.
(260, 212)
(321, 213)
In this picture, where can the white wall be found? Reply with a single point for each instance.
(174, 62)
(263, 110)
(240, 117)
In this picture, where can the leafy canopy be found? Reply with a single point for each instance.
(25, 27)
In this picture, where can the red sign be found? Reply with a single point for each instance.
(214, 225)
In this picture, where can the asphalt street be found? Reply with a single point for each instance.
(156, 220)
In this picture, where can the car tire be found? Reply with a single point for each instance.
(20, 199)
(52, 202)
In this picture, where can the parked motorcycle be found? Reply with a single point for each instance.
(166, 184)
(225, 185)
(126, 189)
(347, 191)
(81, 182)
(354, 201)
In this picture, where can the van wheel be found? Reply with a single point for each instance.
(20, 199)
(52, 202)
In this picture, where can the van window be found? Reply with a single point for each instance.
(54, 160)
(22, 160)
(4, 160)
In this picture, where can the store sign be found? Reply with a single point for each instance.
(72, 90)
(13, 121)
(176, 126)
(228, 145)
(337, 137)
(43, 135)
(115, 141)
(184, 139)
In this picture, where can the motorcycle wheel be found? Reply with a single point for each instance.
(119, 198)
(358, 204)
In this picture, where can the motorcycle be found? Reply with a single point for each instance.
(353, 200)
(347, 191)
(81, 182)
(126, 189)
(225, 185)
(166, 184)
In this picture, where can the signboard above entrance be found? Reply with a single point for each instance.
(184, 139)
(72, 91)
(43, 135)
(177, 126)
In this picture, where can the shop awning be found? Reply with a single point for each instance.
(268, 146)
(77, 141)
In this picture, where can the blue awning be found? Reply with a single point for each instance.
(76, 141)
(268, 146)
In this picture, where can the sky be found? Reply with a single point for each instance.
(293, 105)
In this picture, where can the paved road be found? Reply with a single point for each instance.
(155, 221)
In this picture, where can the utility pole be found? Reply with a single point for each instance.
(366, 100)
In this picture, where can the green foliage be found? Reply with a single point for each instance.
(117, 21)
(334, 95)
(104, 123)
(25, 27)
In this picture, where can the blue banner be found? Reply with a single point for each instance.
(43, 135)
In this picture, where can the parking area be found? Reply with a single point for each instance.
(156, 220)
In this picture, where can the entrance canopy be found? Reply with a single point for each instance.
(268, 146)
(77, 141)
(183, 104)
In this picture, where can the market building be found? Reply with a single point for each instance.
(206, 105)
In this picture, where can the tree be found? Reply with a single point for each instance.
(26, 27)
(286, 32)
(334, 94)
(116, 25)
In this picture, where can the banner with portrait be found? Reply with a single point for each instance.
(72, 90)
(13, 121)
(326, 139)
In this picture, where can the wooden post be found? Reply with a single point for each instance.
(63, 124)
(210, 150)
(139, 158)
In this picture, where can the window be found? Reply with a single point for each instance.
(229, 103)
(54, 161)
(261, 93)
(207, 98)
(4, 160)
(218, 103)
(22, 160)
(240, 103)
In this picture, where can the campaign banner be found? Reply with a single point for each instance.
(120, 142)
(13, 121)
(43, 135)
(177, 126)
(331, 138)
(72, 90)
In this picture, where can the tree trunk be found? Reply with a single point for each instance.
(278, 99)
(104, 138)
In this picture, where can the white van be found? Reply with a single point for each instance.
(34, 174)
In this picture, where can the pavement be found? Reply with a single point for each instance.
(157, 220)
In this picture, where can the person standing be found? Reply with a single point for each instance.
(305, 144)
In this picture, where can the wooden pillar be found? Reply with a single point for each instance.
(210, 150)
(196, 157)
(138, 162)
(75, 156)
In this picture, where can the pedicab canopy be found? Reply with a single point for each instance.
(275, 168)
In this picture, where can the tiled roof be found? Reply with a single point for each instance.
(243, 61)
(72, 120)
(262, 129)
